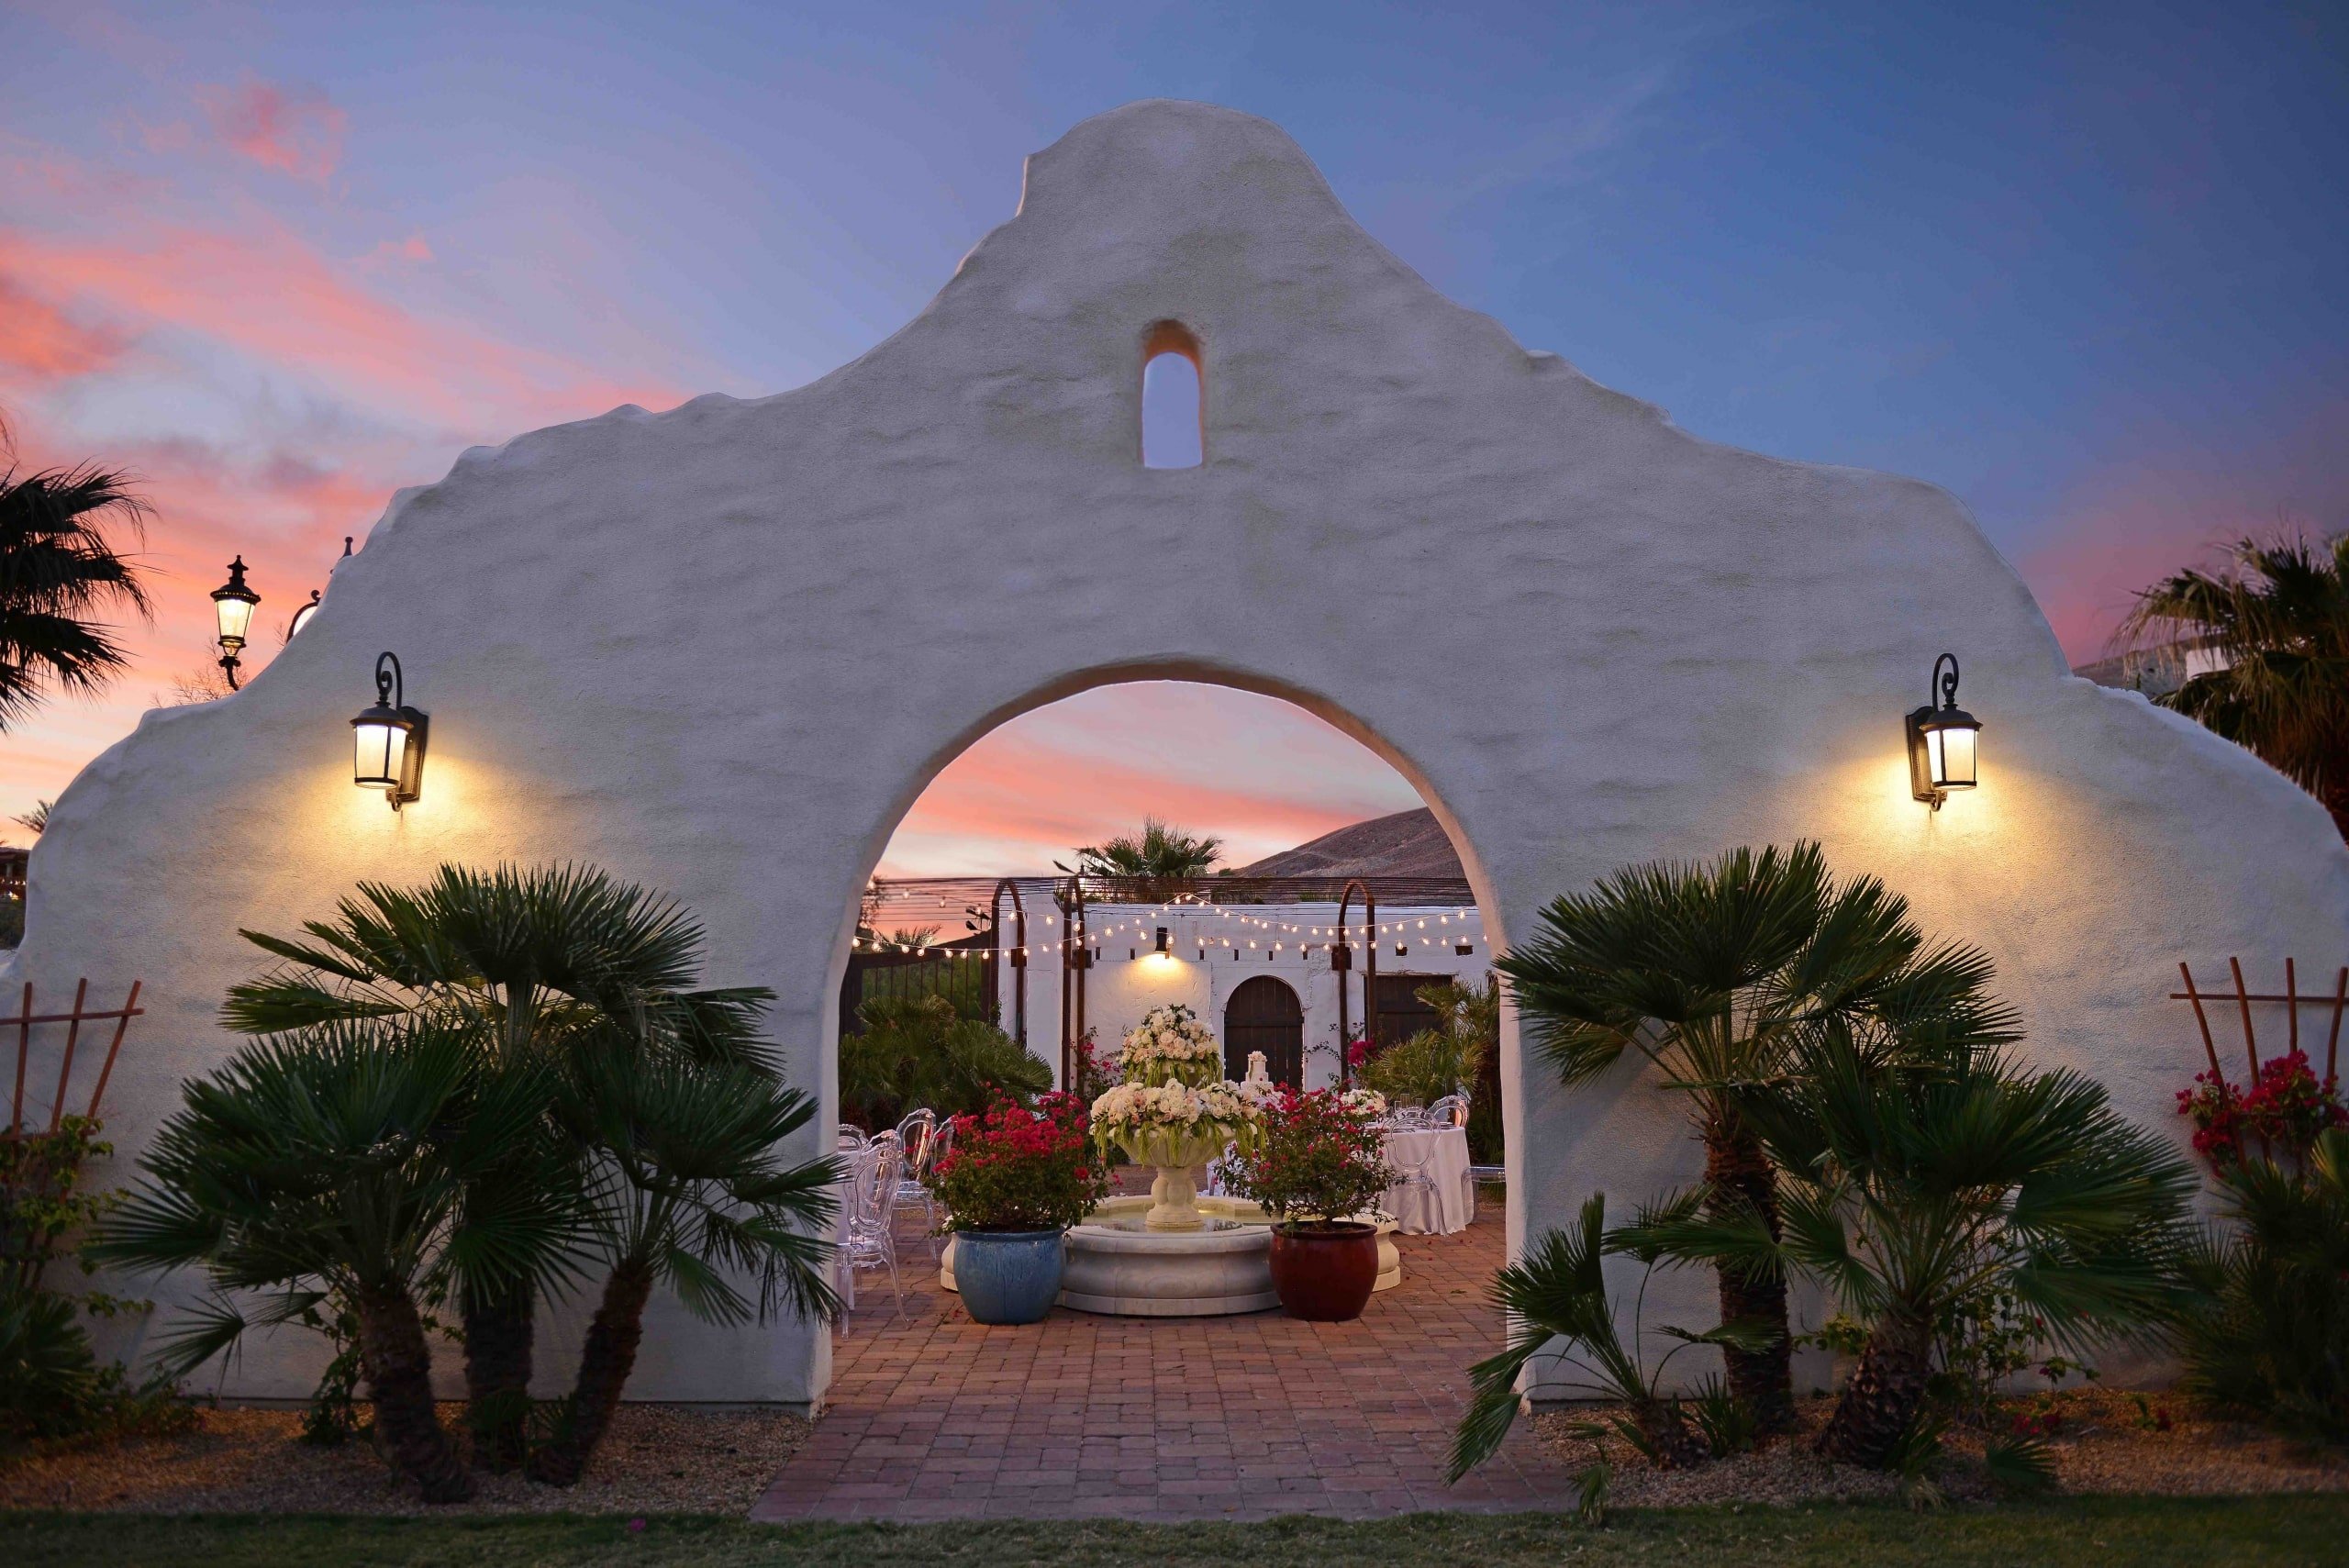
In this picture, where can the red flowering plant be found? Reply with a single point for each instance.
(2284, 1109)
(1318, 1161)
(1016, 1169)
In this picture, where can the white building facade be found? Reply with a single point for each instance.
(645, 641)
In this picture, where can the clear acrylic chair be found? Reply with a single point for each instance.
(870, 1241)
(1410, 1162)
(1453, 1111)
(918, 1136)
(851, 1138)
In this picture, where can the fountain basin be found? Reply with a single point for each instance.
(1118, 1266)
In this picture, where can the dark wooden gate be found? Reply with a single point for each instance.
(1264, 1015)
(1400, 1012)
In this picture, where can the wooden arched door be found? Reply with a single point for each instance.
(1264, 1015)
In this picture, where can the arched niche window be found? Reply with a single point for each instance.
(1173, 398)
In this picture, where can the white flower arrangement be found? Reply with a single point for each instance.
(1174, 1124)
(1367, 1104)
(1170, 1044)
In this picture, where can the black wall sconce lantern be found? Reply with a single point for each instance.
(232, 606)
(1165, 943)
(302, 616)
(387, 747)
(1944, 750)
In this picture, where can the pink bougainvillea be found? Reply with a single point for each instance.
(2281, 1114)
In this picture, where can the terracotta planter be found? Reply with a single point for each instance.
(1324, 1273)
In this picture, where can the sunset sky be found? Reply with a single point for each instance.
(2086, 269)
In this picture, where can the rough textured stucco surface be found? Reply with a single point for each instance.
(655, 641)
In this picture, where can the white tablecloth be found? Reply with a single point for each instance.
(1442, 1155)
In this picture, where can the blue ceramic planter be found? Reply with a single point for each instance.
(1007, 1276)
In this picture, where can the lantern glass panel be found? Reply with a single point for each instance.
(379, 754)
(235, 615)
(1951, 752)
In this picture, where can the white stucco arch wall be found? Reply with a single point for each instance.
(676, 645)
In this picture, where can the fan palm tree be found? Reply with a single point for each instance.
(337, 1161)
(543, 959)
(2276, 617)
(62, 565)
(1160, 856)
(1712, 973)
(1913, 1185)
(685, 1187)
(1555, 1299)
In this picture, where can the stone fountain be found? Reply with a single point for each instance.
(1177, 1253)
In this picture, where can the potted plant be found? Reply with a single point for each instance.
(1014, 1183)
(1316, 1161)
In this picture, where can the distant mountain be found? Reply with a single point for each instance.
(1408, 843)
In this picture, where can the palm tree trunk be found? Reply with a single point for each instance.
(497, 1377)
(1886, 1391)
(605, 1361)
(1740, 1173)
(1667, 1431)
(399, 1375)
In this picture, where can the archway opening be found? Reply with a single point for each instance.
(1173, 397)
(1147, 842)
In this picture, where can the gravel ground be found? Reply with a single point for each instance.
(656, 1459)
(2104, 1444)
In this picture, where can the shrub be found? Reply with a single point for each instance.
(1016, 1169)
(918, 1051)
(1555, 1301)
(52, 1386)
(1446, 1060)
(1317, 1160)
(1912, 1189)
(47, 1373)
(2273, 1341)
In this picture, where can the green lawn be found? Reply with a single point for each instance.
(2095, 1532)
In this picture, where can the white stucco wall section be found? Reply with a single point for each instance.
(648, 640)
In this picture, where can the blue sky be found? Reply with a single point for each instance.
(2082, 265)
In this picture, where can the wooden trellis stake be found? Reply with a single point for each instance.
(2291, 998)
(24, 1020)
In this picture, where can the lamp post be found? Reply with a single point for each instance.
(232, 606)
(387, 739)
(1944, 749)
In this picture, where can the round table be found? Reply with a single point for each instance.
(1442, 1154)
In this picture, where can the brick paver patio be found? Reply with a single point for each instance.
(932, 1416)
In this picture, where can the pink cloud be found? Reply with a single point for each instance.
(268, 293)
(40, 345)
(296, 131)
(1260, 773)
(2125, 527)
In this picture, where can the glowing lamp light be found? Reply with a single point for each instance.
(387, 740)
(232, 606)
(1944, 749)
